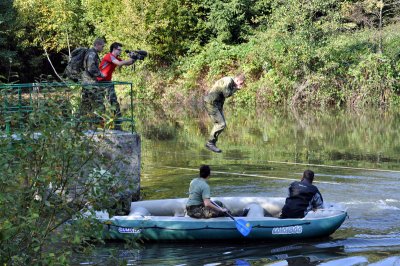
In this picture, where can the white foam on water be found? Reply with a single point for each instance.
(380, 204)
(394, 261)
(357, 202)
(392, 200)
(357, 260)
(279, 263)
(363, 243)
(388, 236)
(383, 205)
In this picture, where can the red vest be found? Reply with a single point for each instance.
(107, 67)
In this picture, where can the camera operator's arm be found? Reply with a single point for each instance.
(127, 62)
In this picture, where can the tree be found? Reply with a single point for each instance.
(167, 28)
(51, 26)
(8, 57)
(374, 14)
(230, 21)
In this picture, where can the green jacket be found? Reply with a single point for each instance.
(91, 65)
(222, 89)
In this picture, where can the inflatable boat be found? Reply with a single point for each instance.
(166, 220)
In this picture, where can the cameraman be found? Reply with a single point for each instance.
(107, 66)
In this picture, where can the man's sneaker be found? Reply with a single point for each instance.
(211, 146)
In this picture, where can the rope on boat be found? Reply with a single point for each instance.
(290, 225)
(202, 228)
(168, 228)
(253, 175)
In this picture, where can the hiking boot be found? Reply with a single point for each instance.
(211, 146)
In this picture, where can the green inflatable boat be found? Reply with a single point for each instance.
(165, 220)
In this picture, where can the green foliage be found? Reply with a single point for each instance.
(7, 52)
(229, 20)
(53, 24)
(374, 80)
(291, 50)
(48, 178)
(166, 28)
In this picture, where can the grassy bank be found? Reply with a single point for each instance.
(343, 70)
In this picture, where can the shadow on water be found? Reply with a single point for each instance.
(335, 252)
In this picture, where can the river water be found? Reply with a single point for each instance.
(355, 155)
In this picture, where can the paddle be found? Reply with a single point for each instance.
(242, 226)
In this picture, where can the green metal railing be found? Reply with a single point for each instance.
(19, 100)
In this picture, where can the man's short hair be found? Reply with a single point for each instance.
(115, 45)
(205, 171)
(308, 175)
(99, 41)
(240, 76)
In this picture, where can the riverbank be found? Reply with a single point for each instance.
(342, 70)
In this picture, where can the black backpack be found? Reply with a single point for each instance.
(75, 64)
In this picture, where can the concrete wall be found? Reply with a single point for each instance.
(121, 153)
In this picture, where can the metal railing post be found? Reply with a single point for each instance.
(132, 120)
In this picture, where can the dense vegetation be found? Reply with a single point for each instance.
(52, 173)
(318, 52)
(294, 52)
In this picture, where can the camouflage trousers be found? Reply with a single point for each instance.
(92, 100)
(201, 211)
(217, 117)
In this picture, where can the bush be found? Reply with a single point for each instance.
(43, 187)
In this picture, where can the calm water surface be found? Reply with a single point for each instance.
(356, 158)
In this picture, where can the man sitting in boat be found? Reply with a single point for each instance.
(199, 204)
(303, 197)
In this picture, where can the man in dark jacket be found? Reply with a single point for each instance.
(303, 197)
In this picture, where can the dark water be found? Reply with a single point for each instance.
(356, 158)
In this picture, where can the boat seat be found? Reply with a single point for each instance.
(139, 211)
(255, 210)
(180, 212)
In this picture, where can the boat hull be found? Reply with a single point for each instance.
(172, 228)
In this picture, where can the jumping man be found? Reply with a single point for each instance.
(214, 103)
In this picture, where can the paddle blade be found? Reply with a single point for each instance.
(243, 226)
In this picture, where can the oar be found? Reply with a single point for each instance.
(242, 226)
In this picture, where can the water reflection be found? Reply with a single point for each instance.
(219, 254)
(368, 139)
(326, 252)
(356, 158)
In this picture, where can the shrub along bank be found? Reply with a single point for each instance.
(344, 70)
(317, 52)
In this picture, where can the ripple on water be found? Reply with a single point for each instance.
(395, 261)
(365, 243)
(357, 260)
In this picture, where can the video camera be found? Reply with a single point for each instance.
(137, 54)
